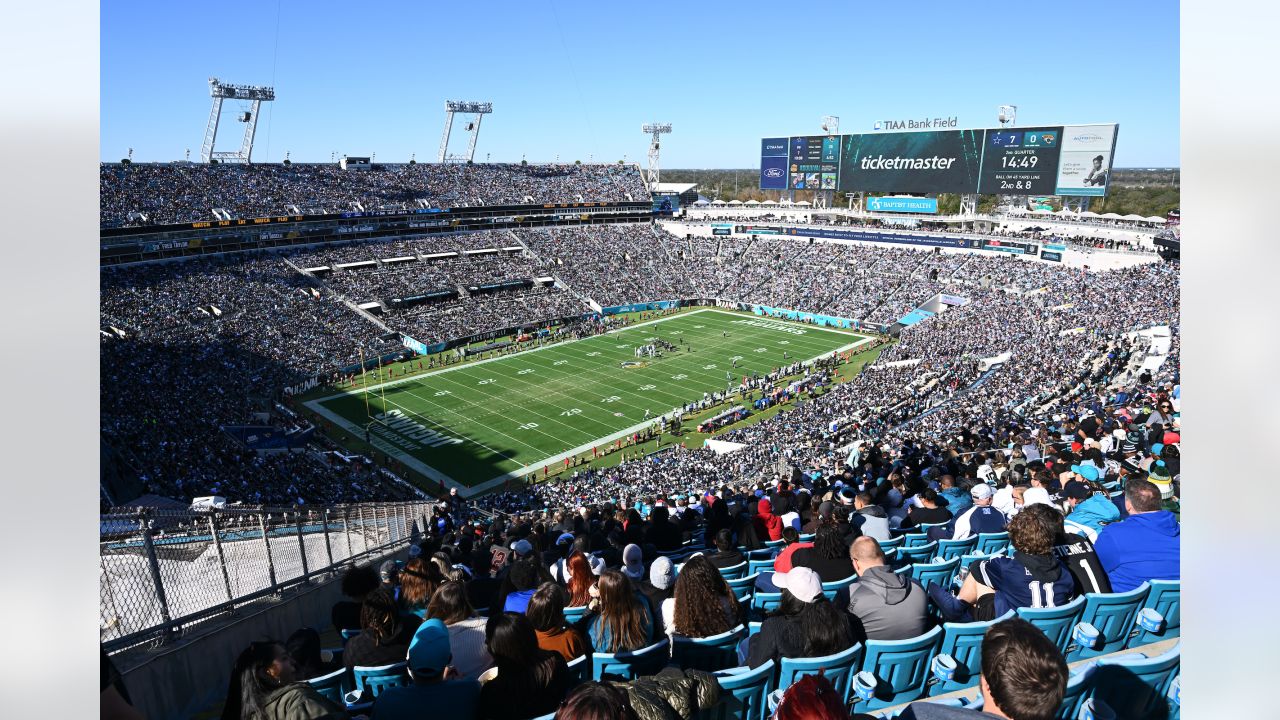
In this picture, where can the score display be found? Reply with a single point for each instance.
(1020, 162)
(1047, 160)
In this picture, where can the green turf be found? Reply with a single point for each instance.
(494, 419)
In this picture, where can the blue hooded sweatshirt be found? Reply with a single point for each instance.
(1143, 547)
(1094, 512)
(957, 500)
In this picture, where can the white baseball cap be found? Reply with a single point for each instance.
(801, 581)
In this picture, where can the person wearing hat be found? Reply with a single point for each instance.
(805, 623)
(981, 517)
(435, 683)
(1087, 509)
(658, 587)
(633, 562)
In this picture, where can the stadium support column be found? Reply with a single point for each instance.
(657, 130)
(969, 204)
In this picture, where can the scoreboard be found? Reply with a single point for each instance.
(1021, 162)
(1042, 160)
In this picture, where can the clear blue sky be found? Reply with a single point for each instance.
(577, 79)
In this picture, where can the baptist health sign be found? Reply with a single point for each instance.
(903, 204)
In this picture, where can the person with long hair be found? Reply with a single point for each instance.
(304, 647)
(597, 701)
(812, 697)
(450, 605)
(546, 613)
(623, 620)
(703, 604)
(829, 556)
(264, 686)
(805, 624)
(531, 681)
(418, 582)
(385, 633)
(580, 579)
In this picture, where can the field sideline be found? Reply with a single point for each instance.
(475, 425)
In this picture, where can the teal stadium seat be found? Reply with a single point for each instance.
(734, 571)
(708, 654)
(1165, 598)
(992, 543)
(630, 665)
(911, 554)
(1137, 686)
(1056, 623)
(1113, 615)
(333, 686)
(935, 572)
(948, 549)
(839, 668)
(963, 643)
(743, 693)
(742, 587)
(901, 668)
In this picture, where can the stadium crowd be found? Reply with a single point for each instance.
(157, 194)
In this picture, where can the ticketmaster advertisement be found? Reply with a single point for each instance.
(945, 161)
(1084, 166)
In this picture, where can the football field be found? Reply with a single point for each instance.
(479, 423)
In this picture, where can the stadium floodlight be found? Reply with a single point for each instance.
(1008, 114)
(468, 107)
(219, 91)
(831, 125)
(657, 130)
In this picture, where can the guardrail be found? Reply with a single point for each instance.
(162, 572)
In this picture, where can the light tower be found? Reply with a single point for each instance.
(478, 110)
(656, 130)
(1008, 114)
(256, 95)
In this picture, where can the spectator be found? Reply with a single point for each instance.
(357, 582)
(451, 606)
(883, 604)
(870, 519)
(726, 555)
(1144, 546)
(524, 578)
(1024, 677)
(805, 624)
(437, 691)
(658, 588)
(531, 681)
(308, 657)
(980, 517)
(384, 633)
(546, 614)
(623, 620)
(1088, 508)
(767, 525)
(597, 701)
(703, 604)
(264, 685)
(996, 585)
(418, 582)
(931, 510)
(828, 557)
(580, 578)
(633, 562)
(956, 498)
(812, 697)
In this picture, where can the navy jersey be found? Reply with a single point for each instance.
(1046, 584)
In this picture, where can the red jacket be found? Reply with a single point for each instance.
(767, 524)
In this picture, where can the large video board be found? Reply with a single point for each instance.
(1049, 160)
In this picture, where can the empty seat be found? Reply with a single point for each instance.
(369, 681)
(333, 686)
(1137, 686)
(742, 587)
(1112, 614)
(887, 545)
(1057, 623)
(757, 566)
(901, 669)
(917, 553)
(992, 543)
(1079, 689)
(735, 571)
(838, 668)
(708, 654)
(630, 665)
(936, 572)
(764, 602)
(1165, 598)
(948, 549)
(962, 642)
(743, 692)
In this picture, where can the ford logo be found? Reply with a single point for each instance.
(773, 173)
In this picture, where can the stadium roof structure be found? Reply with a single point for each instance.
(674, 188)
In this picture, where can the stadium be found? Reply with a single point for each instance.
(523, 440)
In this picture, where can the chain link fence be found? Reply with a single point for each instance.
(164, 571)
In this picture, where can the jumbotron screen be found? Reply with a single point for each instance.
(1043, 160)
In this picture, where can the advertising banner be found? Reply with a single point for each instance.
(914, 162)
(773, 173)
(914, 317)
(903, 205)
(1084, 167)
(773, 147)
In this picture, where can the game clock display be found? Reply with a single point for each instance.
(1020, 162)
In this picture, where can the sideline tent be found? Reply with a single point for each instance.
(735, 202)
(1157, 219)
